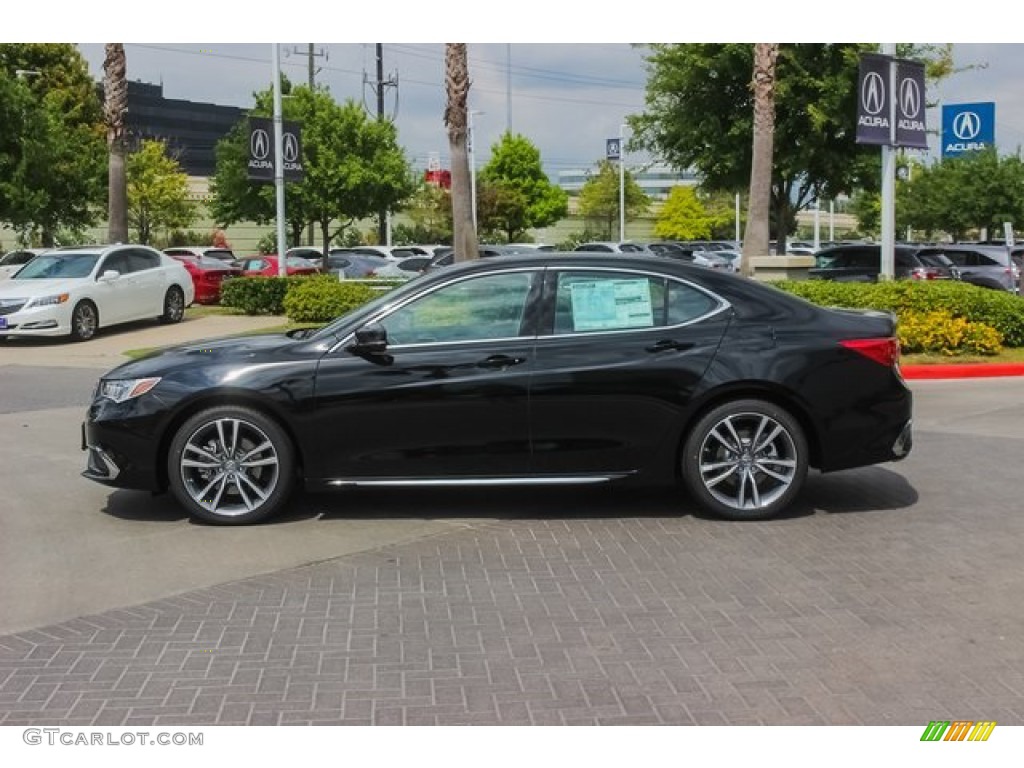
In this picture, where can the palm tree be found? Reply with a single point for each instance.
(755, 239)
(115, 106)
(457, 83)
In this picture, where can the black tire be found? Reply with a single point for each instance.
(85, 321)
(754, 478)
(174, 306)
(241, 482)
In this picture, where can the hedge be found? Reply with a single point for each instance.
(320, 301)
(267, 295)
(259, 295)
(1000, 310)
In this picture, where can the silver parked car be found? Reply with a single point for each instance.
(988, 266)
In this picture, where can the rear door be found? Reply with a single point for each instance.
(620, 355)
(149, 282)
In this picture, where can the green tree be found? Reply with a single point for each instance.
(353, 168)
(684, 216)
(430, 211)
(964, 194)
(51, 145)
(599, 198)
(700, 111)
(523, 196)
(157, 192)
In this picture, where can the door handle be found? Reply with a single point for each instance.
(664, 345)
(500, 361)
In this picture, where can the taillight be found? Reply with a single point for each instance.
(883, 351)
(922, 273)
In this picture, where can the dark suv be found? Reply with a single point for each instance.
(863, 264)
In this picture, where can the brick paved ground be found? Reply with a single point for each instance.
(891, 597)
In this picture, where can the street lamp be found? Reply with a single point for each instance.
(472, 165)
(622, 183)
(27, 72)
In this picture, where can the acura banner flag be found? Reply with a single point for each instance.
(873, 111)
(877, 107)
(261, 150)
(910, 123)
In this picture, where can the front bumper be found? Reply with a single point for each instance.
(120, 452)
(53, 320)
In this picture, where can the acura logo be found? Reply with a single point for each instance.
(259, 144)
(291, 148)
(966, 126)
(910, 98)
(872, 93)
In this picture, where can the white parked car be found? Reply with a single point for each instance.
(75, 291)
(12, 261)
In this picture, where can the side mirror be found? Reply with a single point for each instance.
(109, 276)
(370, 340)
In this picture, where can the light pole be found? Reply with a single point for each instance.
(622, 183)
(472, 165)
(282, 259)
(27, 72)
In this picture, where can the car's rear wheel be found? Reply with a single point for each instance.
(85, 320)
(745, 460)
(174, 306)
(231, 465)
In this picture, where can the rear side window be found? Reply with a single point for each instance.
(863, 259)
(139, 260)
(587, 302)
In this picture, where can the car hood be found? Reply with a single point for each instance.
(22, 289)
(259, 350)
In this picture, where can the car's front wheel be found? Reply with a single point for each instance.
(174, 306)
(231, 465)
(745, 460)
(85, 321)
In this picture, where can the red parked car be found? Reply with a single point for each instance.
(267, 266)
(207, 273)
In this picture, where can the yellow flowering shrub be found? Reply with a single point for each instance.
(940, 332)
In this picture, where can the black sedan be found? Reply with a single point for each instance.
(543, 370)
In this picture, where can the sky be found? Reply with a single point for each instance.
(562, 73)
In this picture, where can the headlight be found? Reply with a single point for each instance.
(120, 390)
(45, 301)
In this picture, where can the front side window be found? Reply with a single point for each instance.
(586, 302)
(487, 307)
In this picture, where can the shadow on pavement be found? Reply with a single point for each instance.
(872, 489)
(111, 331)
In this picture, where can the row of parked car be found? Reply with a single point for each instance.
(986, 265)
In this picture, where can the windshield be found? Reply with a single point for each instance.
(57, 265)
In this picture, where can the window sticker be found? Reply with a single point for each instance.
(605, 305)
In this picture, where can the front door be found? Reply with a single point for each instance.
(448, 398)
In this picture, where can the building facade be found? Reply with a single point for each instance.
(190, 129)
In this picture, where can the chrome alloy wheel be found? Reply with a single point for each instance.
(229, 467)
(747, 461)
(84, 322)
